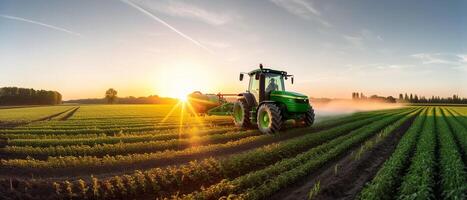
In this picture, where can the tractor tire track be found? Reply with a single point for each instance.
(351, 175)
(10, 125)
(69, 114)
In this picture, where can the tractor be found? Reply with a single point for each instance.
(266, 104)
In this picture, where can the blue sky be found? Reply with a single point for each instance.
(143, 47)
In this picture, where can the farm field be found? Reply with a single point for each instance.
(163, 152)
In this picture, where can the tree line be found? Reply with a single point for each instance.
(28, 96)
(361, 96)
(414, 98)
(411, 98)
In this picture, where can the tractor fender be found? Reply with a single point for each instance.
(249, 98)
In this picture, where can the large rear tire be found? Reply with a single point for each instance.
(269, 118)
(309, 118)
(241, 113)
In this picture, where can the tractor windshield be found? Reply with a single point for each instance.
(274, 82)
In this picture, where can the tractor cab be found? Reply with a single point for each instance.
(267, 103)
(265, 81)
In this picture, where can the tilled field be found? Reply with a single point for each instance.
(157, 152)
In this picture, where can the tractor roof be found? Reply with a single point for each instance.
(265, 70)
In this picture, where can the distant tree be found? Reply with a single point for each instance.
(401, 97)
(390, 99)
(406, 97)
(111, 95)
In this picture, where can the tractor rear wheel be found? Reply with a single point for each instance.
(241, 113)
(269, 118)
(309, 118)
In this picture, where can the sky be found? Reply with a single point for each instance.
(144, 47)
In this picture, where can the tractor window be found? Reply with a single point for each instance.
(254, 87)
(274, 82)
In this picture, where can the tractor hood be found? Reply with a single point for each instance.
(288, 94)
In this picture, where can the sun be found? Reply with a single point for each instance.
(183, 97)
(181, 79)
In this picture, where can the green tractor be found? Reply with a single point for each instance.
(268, 105)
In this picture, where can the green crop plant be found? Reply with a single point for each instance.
(453, 176)
(419, 182)
(384, 184)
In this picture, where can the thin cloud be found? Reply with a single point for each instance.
(303, 9)
(462, 58)
(435, 58)
(363, 36)
(356, 41)
(189, 11)
(41, 24)
(149, 14)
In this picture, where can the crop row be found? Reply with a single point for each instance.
(385, 183)
(283, 149)
(419, 182)
(84, 124)
(459, 132)
(453, 176)
(123, 148)
(460, 116)
(162, 181)
(119, 138)
(28, 137)
(95, 131)
(262, 183)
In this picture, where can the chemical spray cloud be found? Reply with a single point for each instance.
(149, 14)
(41, 24)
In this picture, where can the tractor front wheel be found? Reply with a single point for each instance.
(269, 118)
(241, 113)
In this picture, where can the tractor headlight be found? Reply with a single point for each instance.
(301, 101)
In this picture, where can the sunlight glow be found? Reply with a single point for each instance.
(182, 78)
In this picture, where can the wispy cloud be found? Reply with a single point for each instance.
(190, 11)
(303, 9)
(41, 24)
(379, 67)
(149, 14)
(436, 58)
(356, 41)
(454, 61)
(462, 58)
(363, 35)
